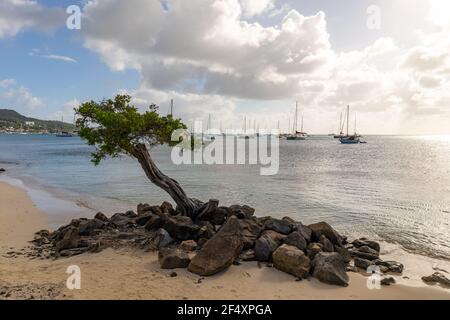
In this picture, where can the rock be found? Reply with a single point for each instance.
(313, 249)
(266, 244)
(277, 225)
(327, 246)
(291, 260)
(206, 231)
(367, 249)
(100, 216)
(119, 220)
(201, 242)
(143, 208)
(70, 238)
(170, 258)
(437, 278)
(131, 214)
(88, 227)
(323, 228)
(188, 245)
(160, 239)
(329, 267)
(73, 251)
(155, 222)
(2, 170)
(173, 274)
(364, 242)
(220, 251)
(167, 208)
(344, 253)
(296, 239)
(304, 231)
(181, 228)
(393, 266)
(248, 255)
(363, 255)
(387, 281)
(362, 263)
(217, 216)
(250, 230)
(143, 218)
(241, 212)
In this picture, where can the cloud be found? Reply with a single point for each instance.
(251, 8)
(66, 112)
(60, 58)
(17, 97)
(18, 15)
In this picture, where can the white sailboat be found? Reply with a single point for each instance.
(350, 139)
(297, 135)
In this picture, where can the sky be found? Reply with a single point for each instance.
(388, 59)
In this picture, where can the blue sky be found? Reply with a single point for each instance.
(105, 59)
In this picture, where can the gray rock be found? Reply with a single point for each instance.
(242, 212)
(251, 230)
(155, 222)
(266, 244)
(171, 258)
(367, 249)
(296, 239)
(277, 225)
(292, 260)
(344, 253)
(88, 227)
(393, 266)
(327, 246)
(387, 281)
(323, 228)
(100, 216)
(437, 278)
(363, 263)
(364, 242)
(188, 245)
(181, 228)
(70, 237)
(247, 255)
(363, 255)
(161, 239)
(329, 267)
(220, 251)
(120, 220)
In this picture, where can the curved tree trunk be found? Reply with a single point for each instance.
(186, 205)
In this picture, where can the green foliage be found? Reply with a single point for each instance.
(115, 127)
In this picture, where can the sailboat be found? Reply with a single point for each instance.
(297, 135)
(349, 139)
(209, 135)
(340, 129)
(62, 133)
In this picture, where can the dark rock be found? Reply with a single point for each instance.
(171, 258)
(437, 278)
(344, 253)
(160, 239)
(143, 218)
(363, 255)
(291, 260)
(364, 242)
(248, 255)
(313, 249)
(363, 263)
(130, 214)
(367, 249)
(387, 281)
(167, 208)
(206, 231)
(73, 252)
(173, 274)
(155, 222)
(188, 245)
(220, 251)
(70, 238)
(329, 267)
(393, 266)
(100, 216)
(250, 230)
(146, 208)
(88, 227)
(305, 231)
(119, 220)
(323, 228)
(2, 170)
(241, 212)
(181, 228)
(296, 239)
(327, 246)
(201, 242)
(277, 225)
(266, 244)
(217, 216)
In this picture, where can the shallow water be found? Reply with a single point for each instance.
(396, 188)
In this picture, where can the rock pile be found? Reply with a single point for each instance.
(218, 238)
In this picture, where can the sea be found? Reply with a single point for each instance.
(394, 188)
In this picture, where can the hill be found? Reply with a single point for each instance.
(11, 118)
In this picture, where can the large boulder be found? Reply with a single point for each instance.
(159, 239)
(344, 253)
(220, 251)
(171, 258)
(277, 225)
(89, 227)
(323, 228)
(181, 228)
(363, 263)
(329, 267)
(291, 260)
(300, 228)
(266, 244)
(327, 246)
(155, 221)
(120, 220)
(251, 230)
(69, 238)
(296, 239)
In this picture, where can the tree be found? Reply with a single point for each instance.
(116, 127)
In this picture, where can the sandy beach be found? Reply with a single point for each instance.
(132, 274)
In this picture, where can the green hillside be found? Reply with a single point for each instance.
(11, 118)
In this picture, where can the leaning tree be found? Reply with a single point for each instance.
(115, 127)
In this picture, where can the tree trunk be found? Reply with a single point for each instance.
(186, 205)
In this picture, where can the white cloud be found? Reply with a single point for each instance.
(60, 58)
(17, 15)
(17, 97)
(251, 8)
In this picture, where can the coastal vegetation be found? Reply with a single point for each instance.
(12, 121)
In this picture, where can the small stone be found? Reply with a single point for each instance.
(188, 245)
(387, 281)
(173, 274)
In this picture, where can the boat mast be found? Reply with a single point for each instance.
(301, 130)
(296, 117)
(340, 124)
(348, 116)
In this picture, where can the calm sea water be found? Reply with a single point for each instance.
(394, 188)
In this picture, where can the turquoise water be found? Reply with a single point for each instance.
(394, 188)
